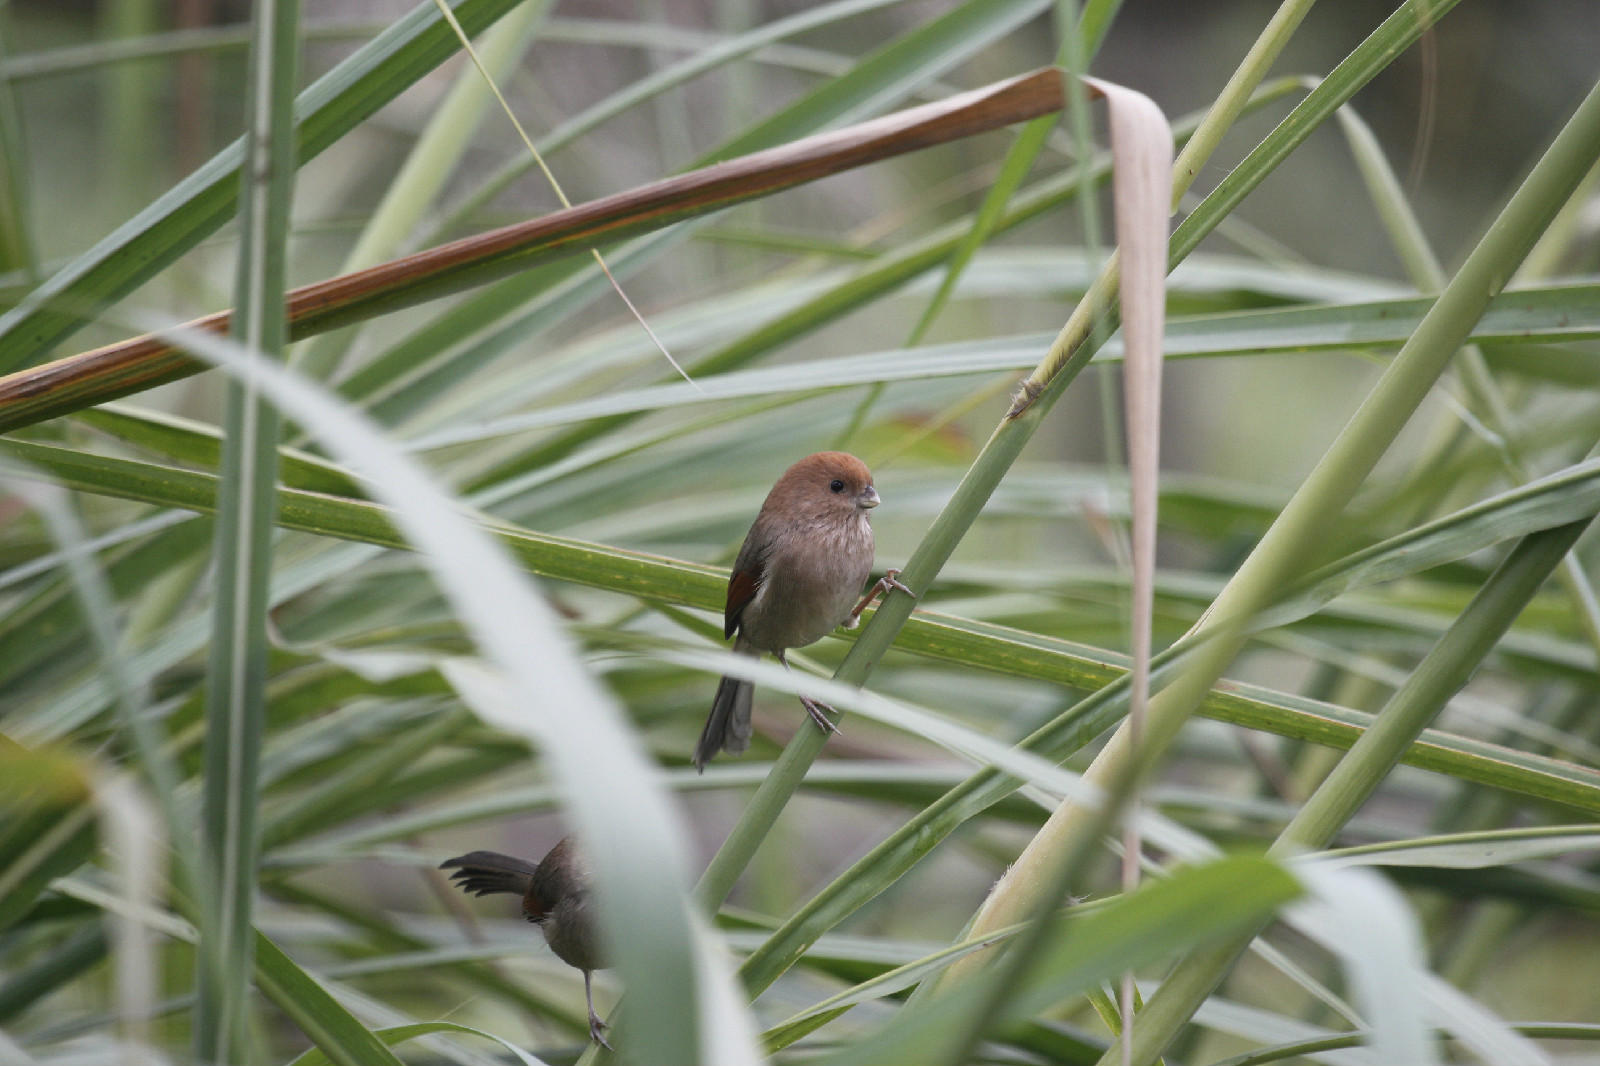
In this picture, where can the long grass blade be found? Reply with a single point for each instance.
(943, 637)
(17, 251)
(1257, 583)
(536, 688)
(236, 669)
(121, 369)
(1141, 145)
(1441, 674)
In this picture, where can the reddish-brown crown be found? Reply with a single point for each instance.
(815, 474)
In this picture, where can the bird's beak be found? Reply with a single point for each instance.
(868, 497)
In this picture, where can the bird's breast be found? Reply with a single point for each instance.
(810, 581)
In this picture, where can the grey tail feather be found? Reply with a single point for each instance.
(728, 725)
(484, 873)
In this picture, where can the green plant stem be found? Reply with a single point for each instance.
(1442, 673)
(1095, 23)
(1302, 1048)
(237, 666)
(1483, 393)
(17, 251)
(128, 159)
(944, 638)
(1293, 539)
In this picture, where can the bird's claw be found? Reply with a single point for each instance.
(815, 708)
(891, 580)
(597, 1032)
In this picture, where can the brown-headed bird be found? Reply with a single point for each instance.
(801, 568)
(555, 896)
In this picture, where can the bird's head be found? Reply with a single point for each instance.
(828, 483)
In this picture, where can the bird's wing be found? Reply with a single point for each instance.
(748, 571)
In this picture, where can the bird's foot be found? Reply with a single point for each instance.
(818, 712)
(891, 580)
(882, 587)
(597, 1031)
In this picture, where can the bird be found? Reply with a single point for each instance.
(802, 565)
(555, 896)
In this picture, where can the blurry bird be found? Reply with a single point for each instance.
(802, 566)
(555, 897)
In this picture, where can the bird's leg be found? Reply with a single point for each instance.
(890, 580)
(815, 708)
(597, 1028)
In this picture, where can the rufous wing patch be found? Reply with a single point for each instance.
(741, 590)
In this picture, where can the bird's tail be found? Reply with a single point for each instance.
(728, 725)
(484, 873)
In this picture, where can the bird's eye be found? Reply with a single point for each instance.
(836, 485)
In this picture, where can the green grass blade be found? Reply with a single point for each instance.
(326, 1023)
(130, 91)
(199, 444)
(532, 685)
(885, 984)
(1566, 312)
(77, 58)
(1194, 906)
(42, 628)
(1553, 501)
(1014, 168)
(1445, 670)
(47, 825)
(399, 1034)
(17, 250)
(237, 666)
(1306, 1048)
(1472, 851)
(1298, 532)
(83, 949)
(1410, 376)
(131, 366)
(1487, 401)
(1397, 33)
(340, 792)
(954, 640)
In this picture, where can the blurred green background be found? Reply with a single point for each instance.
(116, 101)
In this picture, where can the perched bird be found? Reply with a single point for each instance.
(802, 566)
(555, 897)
